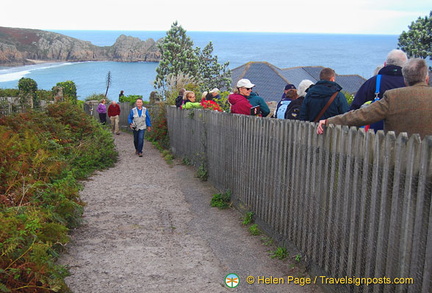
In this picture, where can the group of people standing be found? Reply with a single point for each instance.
(209, 100)
(398, 98)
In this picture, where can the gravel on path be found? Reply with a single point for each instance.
(149, 227)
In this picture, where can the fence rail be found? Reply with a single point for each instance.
(356, 204)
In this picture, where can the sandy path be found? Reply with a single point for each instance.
(149, 228)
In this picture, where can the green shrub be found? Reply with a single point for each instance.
(248, 218)
(69, 91)
(43, 156)
(131, 99)
(254, 230)
(279, 253)
(221, 200)
(9, 93)
(159, 133)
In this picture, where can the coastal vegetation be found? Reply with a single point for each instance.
(182, 66)
(417, 41)
(44, 155)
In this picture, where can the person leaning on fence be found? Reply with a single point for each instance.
(101, 109)
(407, 109)
(114, 115)
(215, 93)
(388, 77)
(324, 99)
(256, 101)
(293, 110)
(238, 100)
(289, 95)
(189, 101)
(207, 102)
(139, 122)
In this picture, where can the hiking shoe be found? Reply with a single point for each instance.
(140, 154)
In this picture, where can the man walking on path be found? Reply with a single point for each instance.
(149, 228)
(139, 122)
(114, 115)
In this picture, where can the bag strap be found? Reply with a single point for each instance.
(377, 87)
(326, 107)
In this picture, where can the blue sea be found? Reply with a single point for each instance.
(347, 54)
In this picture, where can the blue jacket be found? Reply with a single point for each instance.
(391, 78)
(256, 100)
(318, 96)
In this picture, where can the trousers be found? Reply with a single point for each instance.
(139, 140)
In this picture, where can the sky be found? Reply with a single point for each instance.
(313, 16)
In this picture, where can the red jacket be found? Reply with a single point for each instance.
(113, 110)
(239, 104)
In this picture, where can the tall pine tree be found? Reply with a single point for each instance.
(177, 57)
(181, 62)
(212, 74)
(417, 41)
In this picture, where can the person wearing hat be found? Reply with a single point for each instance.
(259, 106)
(215, 93)
(289, 95)
(238, 100)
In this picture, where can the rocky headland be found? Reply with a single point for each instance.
(29, 46)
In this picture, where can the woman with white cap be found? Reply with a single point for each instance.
(238, 100)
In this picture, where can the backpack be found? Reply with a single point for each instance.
(293, 110)
(178, 101)
(281, 109)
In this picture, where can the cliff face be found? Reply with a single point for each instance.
(22, 46)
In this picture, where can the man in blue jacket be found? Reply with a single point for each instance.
(318, 95)
(390, 78)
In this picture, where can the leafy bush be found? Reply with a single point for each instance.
(130, 99)
(254, 230)
(221, 200)
(69, 91)
(43, 156)
(27, 85)
(9, 93)
(280, 253)
(159, 134)
(248, 218)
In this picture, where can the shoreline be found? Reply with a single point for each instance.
(29, 62)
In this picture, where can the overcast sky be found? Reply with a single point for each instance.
(313, 16)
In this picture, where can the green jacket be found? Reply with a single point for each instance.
(256, 100)
(190, 105)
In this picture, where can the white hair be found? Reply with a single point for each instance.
(303, 86)
(396, 57)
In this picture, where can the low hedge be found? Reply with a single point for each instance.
(43, 157)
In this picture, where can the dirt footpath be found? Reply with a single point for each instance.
(149, 228)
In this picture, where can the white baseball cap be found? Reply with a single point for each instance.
(245, 83)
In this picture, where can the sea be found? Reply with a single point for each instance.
(346, 54)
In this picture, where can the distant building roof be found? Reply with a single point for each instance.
(270, 80)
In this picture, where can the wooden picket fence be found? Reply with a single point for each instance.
(355, 204)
